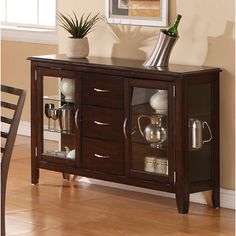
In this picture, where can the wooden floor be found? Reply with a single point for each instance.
(56, 207)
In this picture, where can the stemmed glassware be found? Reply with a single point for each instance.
(48, 111)
(51, 112)
(54, 116)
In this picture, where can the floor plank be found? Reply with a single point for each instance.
(59, 207)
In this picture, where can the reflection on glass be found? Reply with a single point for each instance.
(155, 132)
(149, 127)
(47, 110)
(63, 115)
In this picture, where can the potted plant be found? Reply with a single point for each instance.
(77, 43)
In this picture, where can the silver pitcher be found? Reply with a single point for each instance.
(195, 133)
(154, 133)
(66, 115)
(161, 53)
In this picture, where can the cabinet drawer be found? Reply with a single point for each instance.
(102, 156)
(102, 90)
(102, 123)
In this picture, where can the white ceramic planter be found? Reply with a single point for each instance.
(77, 47)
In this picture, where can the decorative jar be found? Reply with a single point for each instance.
(68, 89)
(158, 101)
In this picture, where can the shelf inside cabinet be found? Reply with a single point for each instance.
(149, 173)
(59, 131)
(143, 142)
(57, 98)
(153, 173)
(55, 154)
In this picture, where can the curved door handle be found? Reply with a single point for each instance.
(124, 128)
(76, 118)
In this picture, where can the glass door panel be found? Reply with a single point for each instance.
(151, 132)
(58, 120)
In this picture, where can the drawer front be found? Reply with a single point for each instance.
(102, 123)
(102, 156)
(102, 90)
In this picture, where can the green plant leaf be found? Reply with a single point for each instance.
(78, 28)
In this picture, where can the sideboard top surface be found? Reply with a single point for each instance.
(122, 64)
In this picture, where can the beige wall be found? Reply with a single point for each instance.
(16, 69)
(206, 38)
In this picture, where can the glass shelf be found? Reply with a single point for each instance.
(154, 173)
(57, 98)
(57, 154)
(150, 173)
(58, 131)
(143, 142)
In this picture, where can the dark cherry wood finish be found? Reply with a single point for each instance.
(10, 117)
(103, 156)
(103, 123)
(104, 88)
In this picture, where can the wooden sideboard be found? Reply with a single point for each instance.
(105, 139)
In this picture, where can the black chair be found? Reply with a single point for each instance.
(10, 118)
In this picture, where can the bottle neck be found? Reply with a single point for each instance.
(176, 24)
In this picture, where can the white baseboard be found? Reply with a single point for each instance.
(227, 197)
(24, 129)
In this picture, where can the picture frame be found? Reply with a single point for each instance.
(137, 12)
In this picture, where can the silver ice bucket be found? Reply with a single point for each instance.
(161, 53)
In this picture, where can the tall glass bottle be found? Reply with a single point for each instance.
(173, 30)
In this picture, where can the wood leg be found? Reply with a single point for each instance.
(35, 176)
(3, 202)
(182, 203)
(74, 177)
(66, 176)
(216, 197)
(209, 199)
(3, 233)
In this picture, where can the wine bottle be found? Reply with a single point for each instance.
(173, 30)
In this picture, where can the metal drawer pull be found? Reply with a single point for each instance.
(101, 156)
(101, 123)
(101, 90)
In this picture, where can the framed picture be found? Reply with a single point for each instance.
(137, 12)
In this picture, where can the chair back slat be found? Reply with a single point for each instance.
(8, 105)
(10, 137)
(11, 90)
(4, 134)
(6, 120)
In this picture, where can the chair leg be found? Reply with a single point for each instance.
(3, 196)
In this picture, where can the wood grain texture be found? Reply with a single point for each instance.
(59, 207)
(101, 84)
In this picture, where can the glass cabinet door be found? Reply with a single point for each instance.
(151, 130)
(59, 118)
